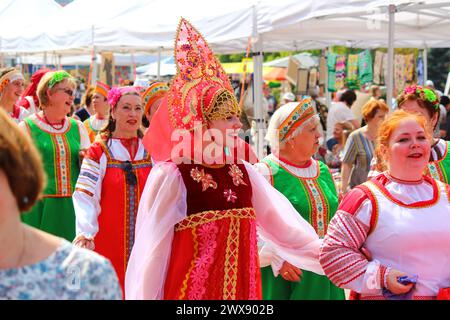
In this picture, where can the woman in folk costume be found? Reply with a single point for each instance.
(196, 225)
(424, 101)
(100, 103)
(401, 217)
(112, 177)
(152, 98)
(60, 141)
(293, 135)
(29, 99)
(11, 87)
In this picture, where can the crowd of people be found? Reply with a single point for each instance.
(150, 192)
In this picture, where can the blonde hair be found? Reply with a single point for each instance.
(21, 163)
(388, 126)
(43, 86)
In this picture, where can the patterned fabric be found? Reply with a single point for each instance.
(331, 63)
(399, 73)
(365, 67)
(302, 113)
(410, 63)
(358, 151)
(378, 68)
(119, 202)
(315, 199)
(408, 216)
(102, 88)
(154, 92)
(69, 273)
(340, 72)
(440, 169)
(214, 253)
(352, 71)
(200, 80)
(60, 154)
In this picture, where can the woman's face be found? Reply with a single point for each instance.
(306, 143)
(409, 149)
(61, 97)
(152, 110)
(379, 117)
(337, 131)
(225, 132)
(100, 104)
(13, 90)
(412, 106)
(128, 114)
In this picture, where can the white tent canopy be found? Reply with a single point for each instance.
(133, 25)
(117, 25)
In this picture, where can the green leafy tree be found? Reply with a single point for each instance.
(438, 66)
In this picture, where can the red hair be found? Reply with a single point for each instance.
(389, 125)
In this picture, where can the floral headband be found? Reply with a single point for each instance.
(57, 77)
(117, 92)
(424, 94)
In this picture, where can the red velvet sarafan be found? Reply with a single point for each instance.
(214, 250)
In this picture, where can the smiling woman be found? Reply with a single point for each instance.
(11, 87)
(59, 140)
(112, 177)
(406, 215)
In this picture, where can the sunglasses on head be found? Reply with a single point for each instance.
(70, 92)
(130, 176)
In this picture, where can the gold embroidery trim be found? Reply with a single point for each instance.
(231, 261)
(203, 217)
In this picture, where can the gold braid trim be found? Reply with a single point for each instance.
(193, 221)
(231, 261)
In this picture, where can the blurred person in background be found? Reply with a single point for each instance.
(11, 88)
(360, 145)
(29, 99)
(99, 119)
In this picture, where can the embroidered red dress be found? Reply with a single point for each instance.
(107, 196)
(214, 252)
(196, 233)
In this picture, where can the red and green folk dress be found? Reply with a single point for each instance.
(439, 168)
(312, 192)
(59, 149)
(106, 199)
(196, 233)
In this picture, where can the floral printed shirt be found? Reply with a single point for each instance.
(69, 273)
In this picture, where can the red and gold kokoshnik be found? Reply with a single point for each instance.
(201, 90)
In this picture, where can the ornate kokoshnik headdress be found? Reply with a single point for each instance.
(201, 90)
